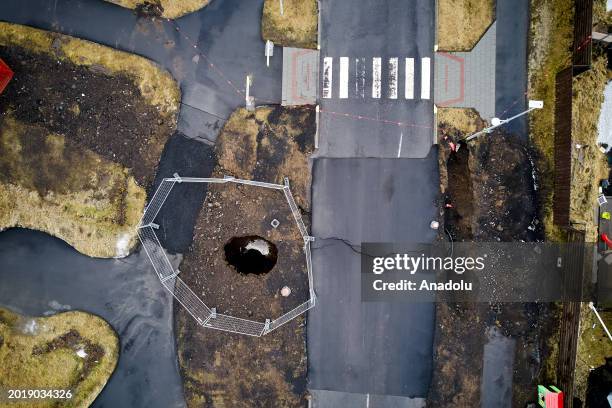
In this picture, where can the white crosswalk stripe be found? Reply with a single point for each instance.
(376, 78)
(425, 77)
(328, 63)
(360, 77)
(344, 77)
(393, 77)
(409, 79)
(384, 81)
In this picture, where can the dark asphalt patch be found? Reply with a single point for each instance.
(188, 158)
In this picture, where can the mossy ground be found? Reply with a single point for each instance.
(593, 347)
(70, 193)
(156, 85)
(41, 353)
(163, 8)
(297, 27)
(589, 164)
(78, 148)
(461, 23)
(551, 35)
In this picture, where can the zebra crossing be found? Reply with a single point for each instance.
(375, 78)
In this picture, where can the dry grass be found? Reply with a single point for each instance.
(239, 154)
(75, 195)
(297, 27)
(461, 23)
(465, 120)
(171, 8)
(23, 366)
(550, 41)
(589, 165)
(593, 347)
(156, 85)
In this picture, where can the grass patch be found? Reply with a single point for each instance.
(550, 44)
(156, 85)
(297, 27)
(461, 23)
(277, 138)
(164, 8)
(41, 353)
(465, 120)
(68, 192)
(593, 347)
(589, 164)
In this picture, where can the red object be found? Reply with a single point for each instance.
(5, 75)
(554, 400)
(607, 240)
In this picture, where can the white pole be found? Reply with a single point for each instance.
(499, 122)
(248, 85)
(600, 320)
(282, 11)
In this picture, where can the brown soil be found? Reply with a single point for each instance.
(232, 210)
(106, 114)
(491, 189)
(220, 369)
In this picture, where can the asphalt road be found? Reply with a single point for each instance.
(353, 346)
(370, 29)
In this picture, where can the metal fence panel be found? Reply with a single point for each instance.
(168, 276)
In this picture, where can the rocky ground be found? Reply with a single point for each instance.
(81, 145)
(230, 370)
(490, 192)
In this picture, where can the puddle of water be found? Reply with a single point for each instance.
(251, 254)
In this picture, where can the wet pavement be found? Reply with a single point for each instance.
(41, 275)
(357, 347)
(364, 30)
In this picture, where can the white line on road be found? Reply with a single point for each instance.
(376, 79)
(409, 86)
(327, 77)
(425, 77)
(344, 74)
(399, 148)
(393, 68)
(360, 77)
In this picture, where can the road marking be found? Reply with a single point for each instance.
(393, 63)
(409, 86)
(399, 148)
(327, 77)
(376, 79)
(425, 77)
(344, 73)
(360, 76)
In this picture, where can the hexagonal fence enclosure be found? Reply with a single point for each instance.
(206, 315)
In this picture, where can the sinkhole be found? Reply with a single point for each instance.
(251, 254)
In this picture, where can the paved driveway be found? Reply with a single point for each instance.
(376, 62)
